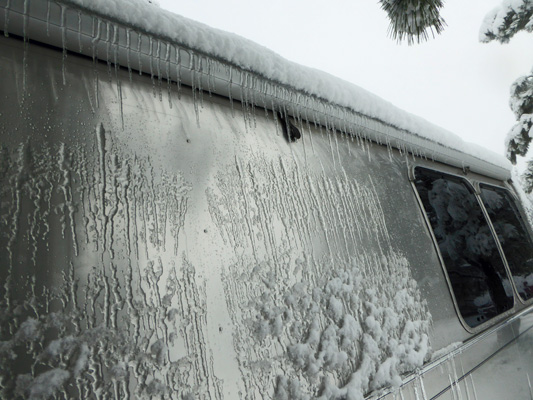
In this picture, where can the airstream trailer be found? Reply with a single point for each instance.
(187, 215)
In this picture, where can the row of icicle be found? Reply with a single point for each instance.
(171, 61)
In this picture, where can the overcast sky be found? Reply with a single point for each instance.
(453, 80)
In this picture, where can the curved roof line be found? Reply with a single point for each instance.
(139, 35)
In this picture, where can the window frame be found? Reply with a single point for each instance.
(477, 186)
(472, 184)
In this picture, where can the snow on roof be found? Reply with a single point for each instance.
(249, 56)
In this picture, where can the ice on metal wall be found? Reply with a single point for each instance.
(104, 292)
(320, 303)
(95, 299)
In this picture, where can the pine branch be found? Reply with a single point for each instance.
(503, 22)
(521, 101)
(527, 177)
(519, 138)
(413, 19)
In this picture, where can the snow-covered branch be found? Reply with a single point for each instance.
(504, 21)
(413, 19)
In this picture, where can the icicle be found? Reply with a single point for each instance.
(230, 86)
(117, 77)
(159, 77)
(47, 18)
(6, 18)
(96, 88)
(178, 70)
(308, 119)
(248, 109)
(216, 68)
(467, 391)
(96, 38)
(25, 70)
(115, 46)
(128, 51)
(199, 77)
(417, 395)
(389, 149)
(244, 102)
(79, 32)
(25, 21)
(151, 59)
(167, 71)
(253, 100)
(209, 76)
(139, 44)
(64, 42)
(264, 96)
(422, 386)
(107, 41)
(26, 44)
(473, 386)
(193, 87)
(152, 74)
(452, 376)
(529, 385)
(108, 51)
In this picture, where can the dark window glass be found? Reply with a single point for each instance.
(468, 248)
(513, 236)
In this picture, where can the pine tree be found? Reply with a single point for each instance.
(521, 102)
(528, 177)
(413, 19)
(501, 24)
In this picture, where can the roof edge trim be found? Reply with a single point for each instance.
(75, 26)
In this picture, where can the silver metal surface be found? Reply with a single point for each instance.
(488, 366)
(158, 244)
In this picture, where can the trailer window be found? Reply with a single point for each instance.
(513, 236)
(472, 261)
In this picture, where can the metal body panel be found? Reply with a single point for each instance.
(495, 364)
(172, 247)
(507, 373)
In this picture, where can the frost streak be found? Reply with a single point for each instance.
(340, 323)
(136, 319)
